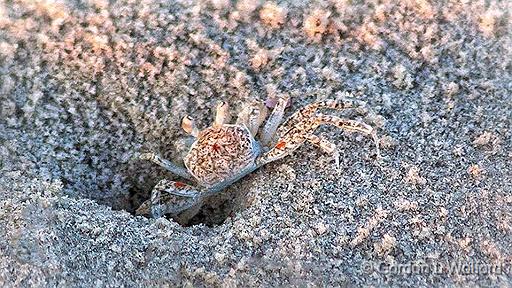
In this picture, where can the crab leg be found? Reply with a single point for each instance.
(285, 145)
(171, 167)
(302, 131)
(169, 197)
(309, 110)
(273, 122)
(326, 146)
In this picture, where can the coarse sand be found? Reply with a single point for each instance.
(87, 85)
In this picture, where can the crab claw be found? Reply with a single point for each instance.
(144, 209)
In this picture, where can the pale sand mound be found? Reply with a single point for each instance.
(86, 86)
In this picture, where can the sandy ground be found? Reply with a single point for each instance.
(85, 85)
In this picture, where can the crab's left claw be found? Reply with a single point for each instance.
(169, 197)
(144, 209)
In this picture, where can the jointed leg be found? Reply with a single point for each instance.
(171, 167)
(273, 122)
(326, 146)
(169, 197)
(295, 136)
(285, 145)
(309, 111)
(347, 124)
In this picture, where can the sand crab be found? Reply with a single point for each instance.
(223, 153)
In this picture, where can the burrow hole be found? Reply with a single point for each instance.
(214, 211)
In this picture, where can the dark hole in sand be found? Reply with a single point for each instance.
(213, 212)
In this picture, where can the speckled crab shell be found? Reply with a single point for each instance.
(220, 153)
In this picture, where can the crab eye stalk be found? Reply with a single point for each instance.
(222, 114)
(188, 124)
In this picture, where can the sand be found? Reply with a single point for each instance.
(86, 85)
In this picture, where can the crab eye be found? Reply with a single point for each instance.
(187, 120)
(222, 104)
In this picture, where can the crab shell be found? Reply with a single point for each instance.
(222, 153)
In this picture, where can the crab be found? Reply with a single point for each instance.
(224, 153)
